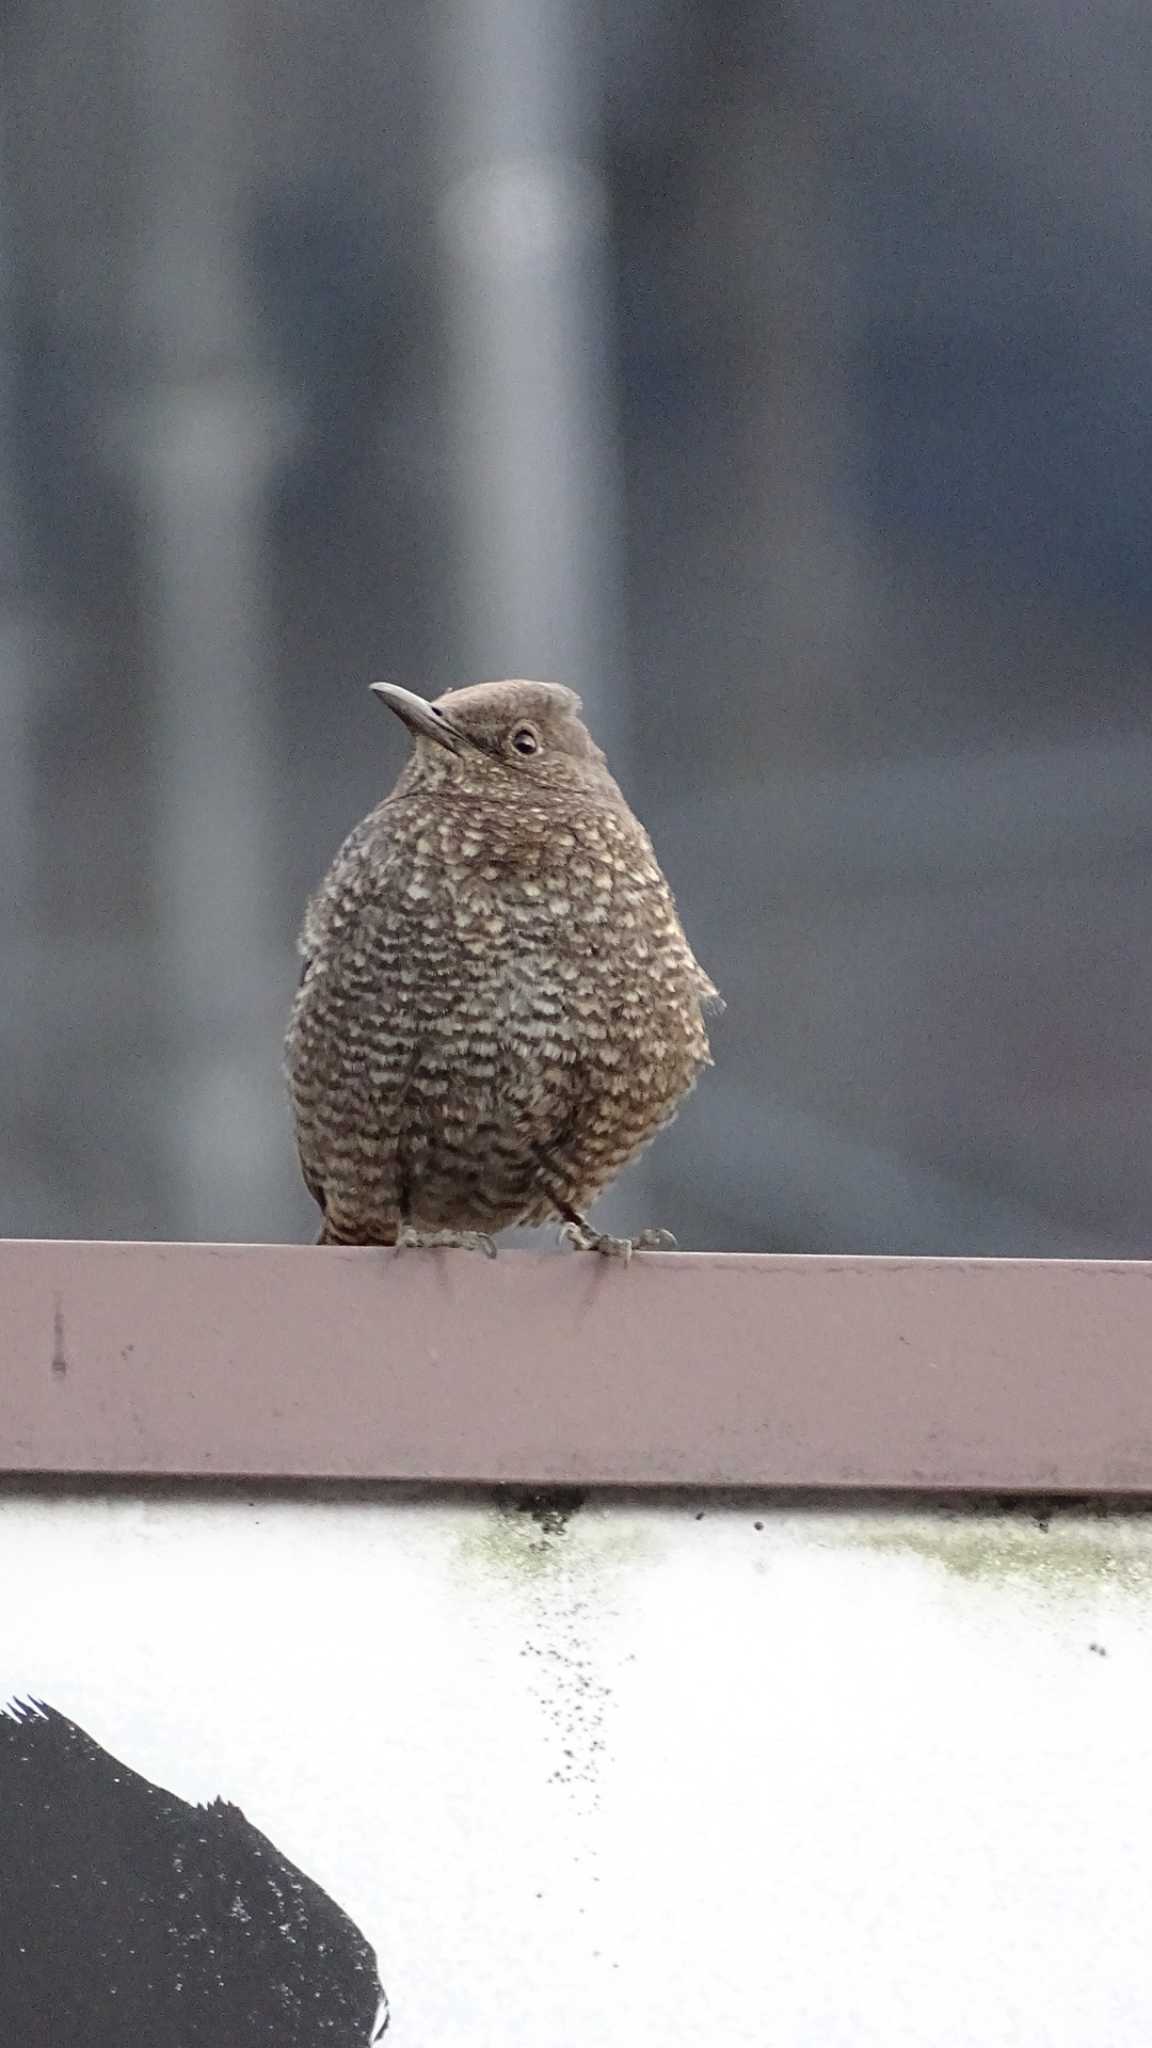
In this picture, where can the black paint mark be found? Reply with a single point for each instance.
(129, 1919)
(59, 1355)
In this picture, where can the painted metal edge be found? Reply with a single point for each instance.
(704, 1370)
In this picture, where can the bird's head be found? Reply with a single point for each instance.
(499, 738)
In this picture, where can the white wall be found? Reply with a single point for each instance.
(653, 1774)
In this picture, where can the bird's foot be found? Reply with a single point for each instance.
(584, 1239)
(408, 1237)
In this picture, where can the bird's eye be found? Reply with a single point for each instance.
(525, 741)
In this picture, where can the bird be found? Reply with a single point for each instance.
(498, 1007)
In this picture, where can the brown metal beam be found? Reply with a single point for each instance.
(705, 1370)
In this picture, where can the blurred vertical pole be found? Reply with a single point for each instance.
(205, 436)
(524, 232)
(524, 235)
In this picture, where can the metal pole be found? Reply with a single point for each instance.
(523, 216)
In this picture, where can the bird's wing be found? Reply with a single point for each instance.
(311, 935)
(308, 939)
(314, 1187)
(711, 1000)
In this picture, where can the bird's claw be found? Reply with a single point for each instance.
(584, 1239)
(409, 1238)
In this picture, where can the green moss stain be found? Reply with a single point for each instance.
(1064, 1554)
(523, 1539)
(532, 1538)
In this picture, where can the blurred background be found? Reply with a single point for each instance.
(780, 376)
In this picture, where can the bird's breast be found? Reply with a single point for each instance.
(485, 902)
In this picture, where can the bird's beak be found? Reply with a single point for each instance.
(423, 720)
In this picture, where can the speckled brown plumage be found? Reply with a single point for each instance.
(498, 1007)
